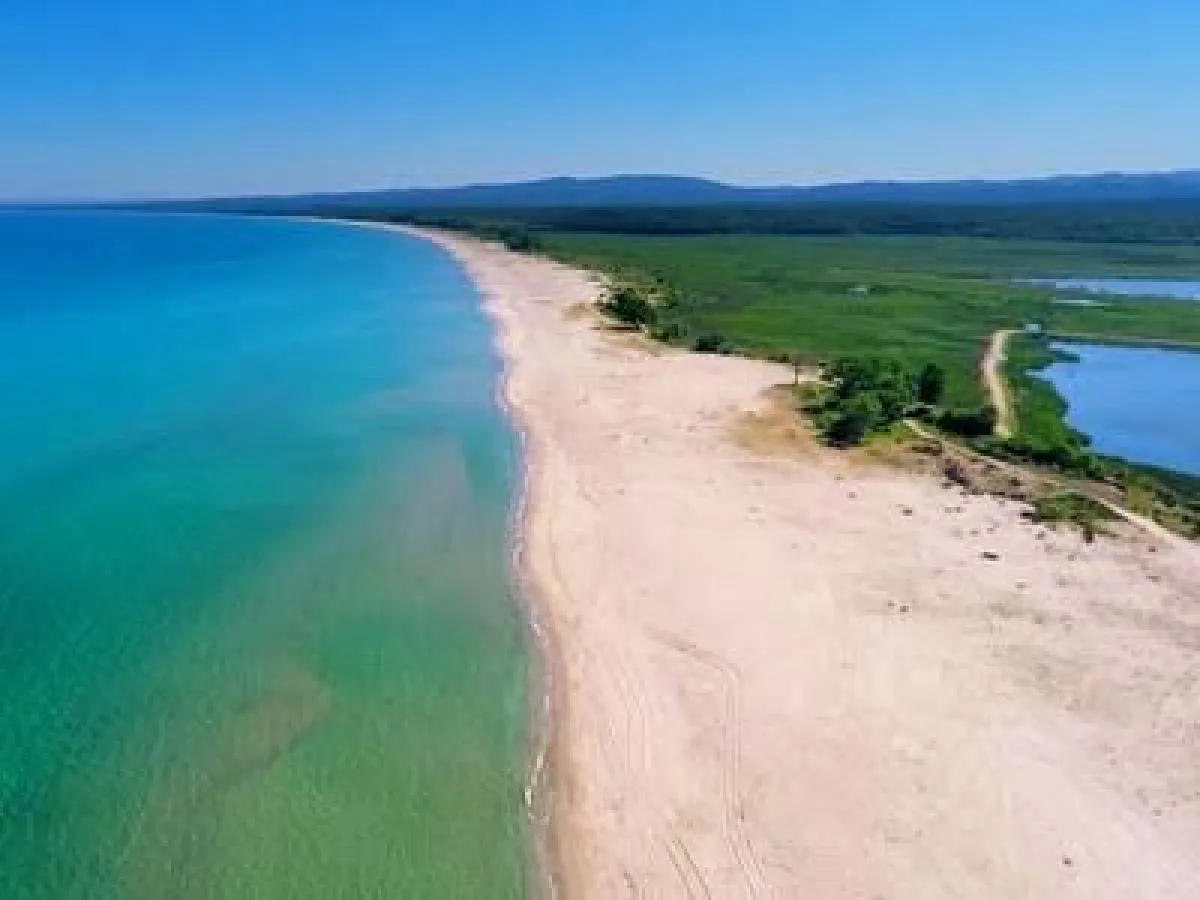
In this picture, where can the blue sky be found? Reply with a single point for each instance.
(153, 98)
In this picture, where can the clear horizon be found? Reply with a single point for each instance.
(136, 100)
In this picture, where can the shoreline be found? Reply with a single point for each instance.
(783, 674)
(1070, 337)
(548, 709)
(1032, 372)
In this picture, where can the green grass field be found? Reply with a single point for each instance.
(921, 299)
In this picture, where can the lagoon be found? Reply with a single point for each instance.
(258, 637)
(1138, 403)
(1126, 287)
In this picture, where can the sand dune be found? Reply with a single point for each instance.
(791, 677)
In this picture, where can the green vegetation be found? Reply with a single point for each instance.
(1171, 498)
(630, 307)
(1041, 434)
(514, 236)
(1162, 222)
(855, 418)
(862, 396)
(520, 240)
(931, 384)
(922, 300)
(1076, 509)
(711, 343)
(870, 308)
(968, 423)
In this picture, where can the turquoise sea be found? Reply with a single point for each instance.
(257, 630)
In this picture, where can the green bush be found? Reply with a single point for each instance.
(1083, 512)
(854, 419)
(1070, 456)
(931, 384)
(711, 343)
(867, 394)
(522, 242)
(969, 423)
(669, 333)
(514, 237)
(888, 379)
(631, 307)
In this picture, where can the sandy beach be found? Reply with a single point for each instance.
(781, 673)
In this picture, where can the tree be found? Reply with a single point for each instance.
(856, 418)
(969, 422)
(931, 384)
(710, 343)
(631, 307)
(888, 379)
(514, 237)
(521, 241)
(669, 332)
(868, 393)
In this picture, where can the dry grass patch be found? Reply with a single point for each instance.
(777, 429)
(578, 311)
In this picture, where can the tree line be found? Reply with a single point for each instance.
(1159, 222)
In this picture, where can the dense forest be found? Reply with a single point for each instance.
(1163, 222)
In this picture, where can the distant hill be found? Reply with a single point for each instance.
(680, 191)
(619, 190)
(1113, 187)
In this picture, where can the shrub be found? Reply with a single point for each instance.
(669, 333)
(1079, 510)
(931, 384)
(1067, 454)
(711, 343)
(888, 379)
(519, 240)
(969, 422)
(631, 307)
(865, 394)
(855, 419)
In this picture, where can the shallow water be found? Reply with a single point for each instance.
(1138, 403)
(257, 632)
(1126, 287)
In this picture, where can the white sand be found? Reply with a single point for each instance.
(779, 684)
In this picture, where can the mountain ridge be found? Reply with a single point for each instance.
(684, 190)
(681, 190)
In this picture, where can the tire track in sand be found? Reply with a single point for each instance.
(734, 835)
(623, 747)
